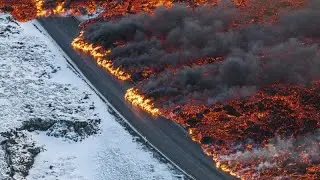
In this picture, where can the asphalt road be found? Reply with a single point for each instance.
(164, 134)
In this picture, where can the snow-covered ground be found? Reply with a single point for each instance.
(52, 122)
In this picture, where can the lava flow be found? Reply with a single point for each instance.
(242, 76)
(100, 55)
(133, 96)
(25, 10)
(272, 134)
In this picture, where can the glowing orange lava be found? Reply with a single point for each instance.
(268, 135)
(244, 127)
(240, 134)
(25, 10)
(134, 97)
(100, 55)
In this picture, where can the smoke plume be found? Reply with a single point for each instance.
(171, 40)
(245, 90)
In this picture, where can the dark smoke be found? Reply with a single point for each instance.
(169, 37)
(288, 62)
(254, 55)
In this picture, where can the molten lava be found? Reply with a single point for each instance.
(100, 55)
(245, 135)
(25, 10)
(134, 97)
(271, 132)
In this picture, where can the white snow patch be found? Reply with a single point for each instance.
(37, 82)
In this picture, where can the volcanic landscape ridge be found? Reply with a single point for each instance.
(242, 76)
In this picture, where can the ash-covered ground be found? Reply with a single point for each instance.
(53, 125)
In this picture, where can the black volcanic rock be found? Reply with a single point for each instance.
(206, 111)
(63, 128)
(231, 111)
(199, 115)
(137, 76)
(19, 152)
(192, 122)
(36, 124)
(206, 140)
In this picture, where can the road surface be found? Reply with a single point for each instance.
(164, 134)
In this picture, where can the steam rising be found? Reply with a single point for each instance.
(244, 80)
(208, 55)
(255, 55)
(271, 156)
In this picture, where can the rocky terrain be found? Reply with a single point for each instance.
(53, 125)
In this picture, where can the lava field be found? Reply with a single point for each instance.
(242, 76)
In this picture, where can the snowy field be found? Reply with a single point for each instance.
(53, 126)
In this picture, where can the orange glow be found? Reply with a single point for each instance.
(278, 109)
(257, 10)
(25, 10)
(40, 8)
(100, 56)
(41, 11)
(134, 97)
(228, 123)
(268, 10)
(251, 123)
